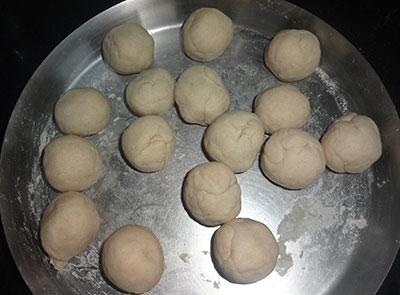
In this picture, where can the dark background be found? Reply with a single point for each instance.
(31, 29)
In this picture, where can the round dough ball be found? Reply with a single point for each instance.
(281, 107)
(235, 138)
(132, 259)
(206, 33)
(292, 158)
(71, 163)
(352, 144)
(128, 48)
(151, 92)
(244, 251)
(148, 143)
(200, 95)
(293, 54)
(82, 111)
(211, 194)
(68, 225)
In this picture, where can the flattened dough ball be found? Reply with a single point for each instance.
(293, 54)
(71, 163)
(244, 251)
(128, 48)
(68, 225)
(82, 111)
(211, 193)
(352, 144)
(200, 95)
(132, 259)
(206, 33)
(148, 143)
(292, 158)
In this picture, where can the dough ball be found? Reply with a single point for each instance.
(82, 111)
(148, 143)
(206, 33)
(293, 54)
(211, 194)
(151, 92)
(235, 138)
(132, 259)
(281, 107)
(200, 95)
(128, 49)
(68, 225)
(292, 158)
(352, 144)
(71, 163)
(244, 251)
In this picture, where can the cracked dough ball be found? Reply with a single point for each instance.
(281, 107)
(211, 194)
(69, 223)
(132, 259)
(206, 33)
(244, 251)
(201, 95)
(82, 111)
(71, 163)
(293, 54)
(352, 144)
(292, 158)
(151, 92)
(148, 143)
(128, 49)
(235, 138)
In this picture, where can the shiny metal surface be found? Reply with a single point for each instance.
(338, 236)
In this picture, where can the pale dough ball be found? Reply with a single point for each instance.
(151, 92)
(293, 54)
(200, 95)
(244, 251)
(352, 144)
(68, 225)
(72, 163)
(292, 158)
(235, 138)
(128, 48)
(206, 33)
(281, 107)
(211, 194)
(82, 111)
(148, 143)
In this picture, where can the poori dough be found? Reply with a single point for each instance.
(352, 143)
(244, 250)
(200, 95)
(69, 223)
(132, 259)
(206, 34)
(128, 48)
(211, 193)
(148, 143)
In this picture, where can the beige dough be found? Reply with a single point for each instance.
(211, 194)
(283, 106)
(82, 111)
(245, 251)
(293, 54)
(148, 143)
(68, 225)
(128, 48)
(352, 144)
(235, 138)
(71, 163)
(200, 95)
(132, 259)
